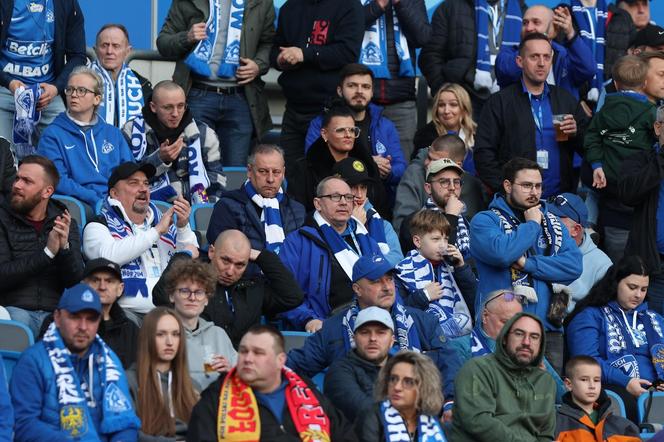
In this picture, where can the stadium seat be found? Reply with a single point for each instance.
(9, 359)
(235, 177)
(15, 336)
(199, 221)
(651, 412)
(295, 339)
(161, 205)
(319, 380)
(77, 210)
(617, 405)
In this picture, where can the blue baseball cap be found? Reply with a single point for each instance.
(570, 206)
(78, 298)
(371, 267)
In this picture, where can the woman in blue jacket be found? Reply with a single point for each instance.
(614, 325)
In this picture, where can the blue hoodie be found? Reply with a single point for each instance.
(84, 158)
(7, 415)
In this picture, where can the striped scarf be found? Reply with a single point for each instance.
(126, 93)
(591, 30)
(428, 428)
(270, 216)
(462, 233)
(376, 229)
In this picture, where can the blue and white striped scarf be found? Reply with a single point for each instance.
(126, 93)
(270, 216)
(511, 36)
(373, 53)
(428, 427)
(376, 229)
(416, 272)
(591, 30)
(480, 344)
(462, 233)
(26, 118)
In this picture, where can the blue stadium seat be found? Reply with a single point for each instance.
(199, 220)
(77, 210)
(9, 358)
(15, 336)
(161, 205)
(235, 177)
(319, 380)
(295, 339)
(617, 404)
(656, 413)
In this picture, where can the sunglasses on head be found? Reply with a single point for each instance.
(508, 297)
(560, 200)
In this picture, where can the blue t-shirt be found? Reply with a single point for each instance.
(28, 52)
(275, 401)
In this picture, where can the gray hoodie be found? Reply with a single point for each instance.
(213, 339)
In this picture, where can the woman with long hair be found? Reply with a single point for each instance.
(160, 381)
(408, 389)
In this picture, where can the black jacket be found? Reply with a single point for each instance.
(30, 279)
(7, 170)
(203, 423)
(620, 30)
(507, 129)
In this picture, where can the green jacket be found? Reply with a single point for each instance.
(255, 43)
(623, 127)
(496, 400)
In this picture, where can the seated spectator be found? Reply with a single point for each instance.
(260, 208)
(573, 213)
(585, 413)
(7, 168)
(276, 395)
(321, 255)
(505, 395)
(40, 246)
(190, 285)
(133, 232)
(378, 135)
(452, 113)
(355, 173)
(349, 382)
(71, 384)
(409, 392)
(6, 409)
(436, 272)
(125, 90)
(184, 151)
(160, 384)
(84, 148)
(614, 325)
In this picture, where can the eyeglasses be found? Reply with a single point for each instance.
(185, 293)
(529, 186)
(406, 382)
(80, 91)
(447, 182)
(169, 108)
(336, 197)
(508, 297)
(350, 131)
(520, 335)
(560, 200)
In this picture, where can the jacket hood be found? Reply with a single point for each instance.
(203, 326)
(573, 410)
(65, 123)
(625, 110)
(501, 351)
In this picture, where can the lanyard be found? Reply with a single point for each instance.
(229, 301)
(537, 116)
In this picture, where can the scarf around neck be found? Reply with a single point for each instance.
(428, 428)
(270, 216)
(126, 93)
(462, 233)
(591, 30)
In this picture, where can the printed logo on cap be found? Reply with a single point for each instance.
(87, 296)
(358, 166)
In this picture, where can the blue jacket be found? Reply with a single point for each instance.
(308, 257)
(495, 251)
(6, 410)
(84, 160)
(573, 65)
(587, 335)
(35, 397)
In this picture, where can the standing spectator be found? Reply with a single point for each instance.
(125, 90)
(6, 409)
(184, 151)
(506, 130)
(465, 39)
(56, 32)
(71, 384)
(314, 41)
(84, 148)
(222, 54)
(39, 244)
(624, 20)
(655, 77)
(590, 17)
(7, 168)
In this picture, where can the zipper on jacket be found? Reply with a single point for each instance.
(320, 273)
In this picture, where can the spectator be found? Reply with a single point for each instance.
(436, 272)
(518, 243)
(624, 20)
(408, 389)
(321, 255)
(224, 92)
(7, 168)
(72, 385)
(278, 397)
(313, 42)
(505, 394)
(84, 148)
(573, 214)
(160, 384)
(655, 78)
(585, 410)
(133, 232)
(260, 208)
(37, 238)
(56, 33)
(356, 176)
(185, 151)
(504, 133)
(7, 411)
(125, 90)
(349, 382)
(190, 285)
(614, 325)
(464, 43)
(590, 17)
(572, 65)
(378, 135)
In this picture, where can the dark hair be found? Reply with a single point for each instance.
(576, 361)
(452, 144)
(606, 289)
(515, 165)
(530, 37)
(279, 341)
(336, 110)
(51, 172)
(354, 69)
(647, 56)
(113, 25)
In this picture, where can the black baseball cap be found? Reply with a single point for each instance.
(102, 264)
(125, 170)
(651, 35)
(352, 170)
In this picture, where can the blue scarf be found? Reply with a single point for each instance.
(26, 118)
(376, 229)
(270, 216)
(129, 99)
(199, 58)
(428, 428)
(118, 413)
(480, 343)
(415, 271)
(462, 233)
(373, 53)
(511, 36)
(591, 30)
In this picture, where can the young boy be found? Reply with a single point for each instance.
(435, 275)
(584, 414)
